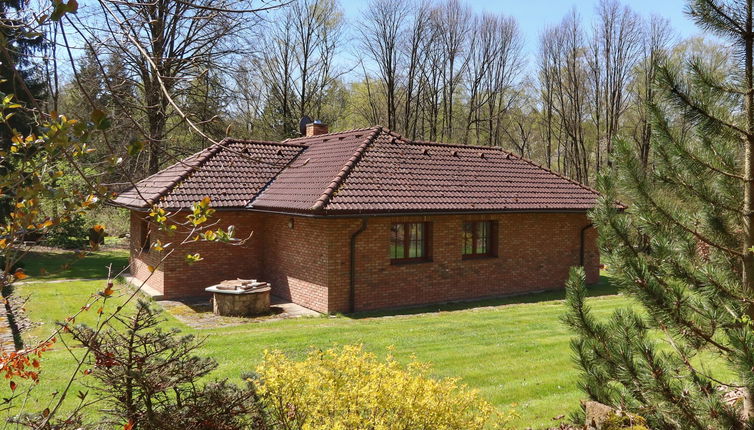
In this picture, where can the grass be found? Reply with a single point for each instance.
(515, 351)
(55, 264)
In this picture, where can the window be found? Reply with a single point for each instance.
(145, 240)
(478, 239)
(408, 242)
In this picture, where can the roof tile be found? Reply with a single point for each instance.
(365, 171)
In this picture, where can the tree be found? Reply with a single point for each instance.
(453, 25)
(683, 248)
(148, 376)
(297, 64)
(167, 44)
(380, 39)
(20, 44)
(654, 49)
(18, 76)
(565, 71)
(614, 49)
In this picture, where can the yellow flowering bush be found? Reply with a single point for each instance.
(348, 388)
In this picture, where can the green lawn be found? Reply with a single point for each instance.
(71, 264)
(514, 351)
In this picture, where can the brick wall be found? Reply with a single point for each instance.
(535, 252)
(307, 259)
(174, 277)
(142, 261)
(296, 259)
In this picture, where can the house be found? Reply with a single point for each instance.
(365, 219)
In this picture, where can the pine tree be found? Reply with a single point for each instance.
(18, 76)
(17, 67)
(148, 377)
(683, 248)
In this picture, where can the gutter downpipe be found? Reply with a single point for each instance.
(581, 250)
(352, 266)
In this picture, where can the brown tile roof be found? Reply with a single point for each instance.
(231, 173)
(310, 180)
(365, 171)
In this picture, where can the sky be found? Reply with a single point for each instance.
(534, 15)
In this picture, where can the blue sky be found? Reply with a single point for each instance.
(534, 15)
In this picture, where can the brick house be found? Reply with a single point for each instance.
(365, 219)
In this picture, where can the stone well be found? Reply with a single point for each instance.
(240, 298)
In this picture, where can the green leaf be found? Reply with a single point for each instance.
(100, 120)
(61, 8)
(135, 147)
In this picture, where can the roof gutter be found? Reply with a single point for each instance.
(403, 214)
(372, 214)
(583, 244)
(352, 265)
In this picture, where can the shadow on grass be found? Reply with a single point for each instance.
(601, 288)
(41, 265)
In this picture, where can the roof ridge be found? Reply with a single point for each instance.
(332, 134)
(201, 159)
(340, 177)
(250, 203)
(263, 142)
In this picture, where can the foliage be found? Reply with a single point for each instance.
(346, 388)
(148, 378)
(628, 421)
(116, 219)
(70, 233)
(682, 250)
(539, 384)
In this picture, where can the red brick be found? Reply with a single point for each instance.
(307, 259)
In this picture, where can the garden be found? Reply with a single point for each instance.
(514, 351)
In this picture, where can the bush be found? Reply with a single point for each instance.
(147, 378)
(348, 388)
(115, 219)
(69, 234)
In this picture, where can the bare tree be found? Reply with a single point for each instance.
(298, 61)
(566, 64)
(546, 80)
(495, 62)
(654, 48)
(453, 21)
(380, 39)
(520, 122)
(418, 38)
(614, 48)
(166, 44)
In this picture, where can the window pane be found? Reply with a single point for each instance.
(407, 240)
(396, 241)
(468, 235)
(416, 239)
(482, 237)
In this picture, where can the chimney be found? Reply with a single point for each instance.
(315, 128)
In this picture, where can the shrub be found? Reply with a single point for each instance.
(148, 379)
(116, 219)
(71, 233)
(348, 388)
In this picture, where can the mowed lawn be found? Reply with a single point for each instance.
(514, 351)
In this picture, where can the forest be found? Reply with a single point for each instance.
(435, 71)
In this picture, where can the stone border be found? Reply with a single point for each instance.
(7, 330)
